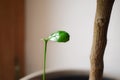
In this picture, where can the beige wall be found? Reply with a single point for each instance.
(76, 17)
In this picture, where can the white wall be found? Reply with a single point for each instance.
(77, 18)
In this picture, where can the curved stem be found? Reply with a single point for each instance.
(45, 50)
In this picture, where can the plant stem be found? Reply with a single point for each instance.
(103, 12)
(45, 50)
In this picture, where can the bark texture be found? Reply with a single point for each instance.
(102, 18)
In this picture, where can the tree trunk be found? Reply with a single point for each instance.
(102, 18)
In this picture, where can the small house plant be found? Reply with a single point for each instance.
(59, 36)
(103, 12)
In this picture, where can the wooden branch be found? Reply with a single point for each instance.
(102, 18)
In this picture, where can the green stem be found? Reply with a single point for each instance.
(45, 50)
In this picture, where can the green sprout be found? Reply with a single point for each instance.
(59, 36)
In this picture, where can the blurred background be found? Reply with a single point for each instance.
(24, 23)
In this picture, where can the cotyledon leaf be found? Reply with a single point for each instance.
(59, 36)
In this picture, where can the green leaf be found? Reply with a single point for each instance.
(59, 36)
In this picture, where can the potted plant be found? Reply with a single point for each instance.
(61, 37)
(103, 12)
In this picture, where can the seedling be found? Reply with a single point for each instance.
(59, 36)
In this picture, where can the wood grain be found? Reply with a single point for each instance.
(11, 37)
